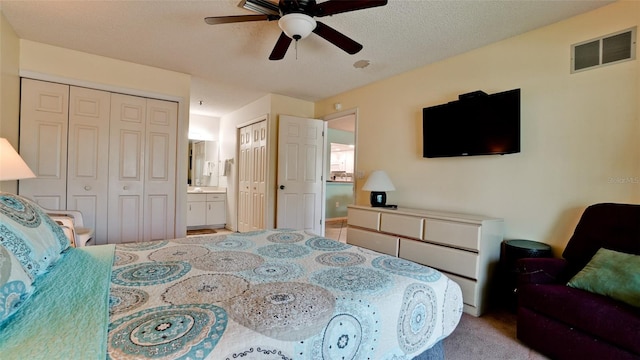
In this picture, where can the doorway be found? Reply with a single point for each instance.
(340, 173)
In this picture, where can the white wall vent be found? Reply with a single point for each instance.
(606, 50)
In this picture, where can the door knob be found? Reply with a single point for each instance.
(281, 187)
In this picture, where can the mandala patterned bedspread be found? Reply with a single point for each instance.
(274, 295)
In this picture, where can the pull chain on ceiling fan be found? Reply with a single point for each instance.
(296, 19)
(296, 26)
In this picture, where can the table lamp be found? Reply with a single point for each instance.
(378, 182)
(12, 167)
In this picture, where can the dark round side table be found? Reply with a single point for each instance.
(511, 251)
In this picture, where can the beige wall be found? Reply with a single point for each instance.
(580, 132)
(51, 60)
(270, 107)
(202, 127)
(9, 90)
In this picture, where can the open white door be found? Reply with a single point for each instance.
(300, 167)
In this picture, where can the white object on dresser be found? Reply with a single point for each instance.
(464, 247)
(206, 209)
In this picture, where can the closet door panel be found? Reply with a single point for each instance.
(126, 212)
(49, 152)
(159, 157)
(85, 162)
(258, 174)
(44, 112)
(244, 180)
(252, 175)
(129, 152)
(126, 168)
(160, 170)
(88, 158)
(157, 213)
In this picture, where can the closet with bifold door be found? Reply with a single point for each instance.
(252, 176)
(111, 156)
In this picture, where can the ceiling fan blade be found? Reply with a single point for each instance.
(281, 47)
(336, 38)
(332, 7)
(260, 6)
(215, 20)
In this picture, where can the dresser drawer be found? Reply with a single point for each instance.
(403, 225)
(454, 234)
(216, 197)
(459, 262)
(385, 244)
(364, 218)
(469, 289)
(196, 197)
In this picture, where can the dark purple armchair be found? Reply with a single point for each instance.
(567, 323)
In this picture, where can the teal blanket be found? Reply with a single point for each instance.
(67, 316)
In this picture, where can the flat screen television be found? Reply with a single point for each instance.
(475, 124)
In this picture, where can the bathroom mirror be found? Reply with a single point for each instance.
(203, 163)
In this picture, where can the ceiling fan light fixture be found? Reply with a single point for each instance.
(297, 26)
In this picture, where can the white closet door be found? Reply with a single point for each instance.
(126, 168)
(160, 170)
(244, 179)
(258, 174)
(44, 113)
(88, 158)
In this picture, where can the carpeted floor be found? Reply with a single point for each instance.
(489, 337)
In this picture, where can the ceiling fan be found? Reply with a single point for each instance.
(296, 19)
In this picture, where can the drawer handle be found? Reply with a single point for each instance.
(87, 187)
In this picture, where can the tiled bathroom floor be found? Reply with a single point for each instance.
(336, 230)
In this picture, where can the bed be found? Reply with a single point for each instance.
(277, 294)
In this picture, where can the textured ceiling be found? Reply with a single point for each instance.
(229, 63)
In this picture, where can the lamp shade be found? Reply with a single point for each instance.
(378, 181)
(297, 26)
(12, 167)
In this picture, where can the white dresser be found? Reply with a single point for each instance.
(464, 247)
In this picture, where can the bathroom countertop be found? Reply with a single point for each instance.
(205, 190)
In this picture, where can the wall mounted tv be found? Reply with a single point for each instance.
(475, 124)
